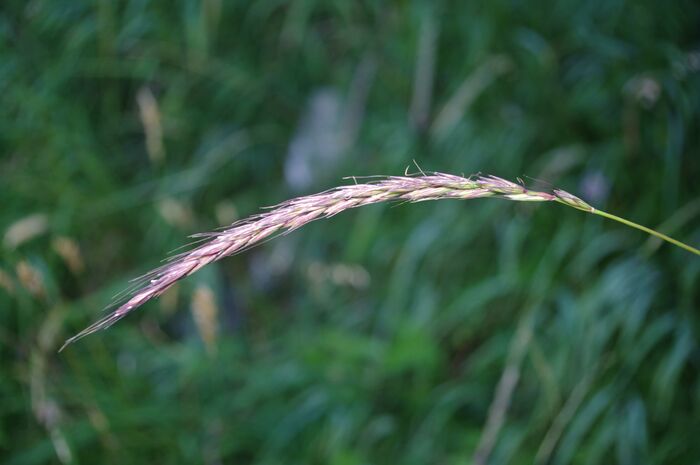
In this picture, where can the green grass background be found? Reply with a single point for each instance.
(379, 336)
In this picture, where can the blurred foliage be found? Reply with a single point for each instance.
(445, 332)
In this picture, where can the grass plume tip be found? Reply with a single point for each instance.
(295, 213)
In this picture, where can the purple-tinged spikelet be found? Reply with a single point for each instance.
(295, 213)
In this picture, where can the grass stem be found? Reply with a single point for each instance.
(654, 233)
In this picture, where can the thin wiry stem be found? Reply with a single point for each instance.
(647, 230)
(295, 213)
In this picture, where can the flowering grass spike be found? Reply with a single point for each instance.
(297, 212)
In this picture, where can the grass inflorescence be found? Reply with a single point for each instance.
(295, 213)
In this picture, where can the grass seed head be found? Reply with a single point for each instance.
(295, 213)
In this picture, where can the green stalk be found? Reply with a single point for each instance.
(632, 224)
(647, 230)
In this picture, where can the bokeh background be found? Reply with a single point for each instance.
(437, 333)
